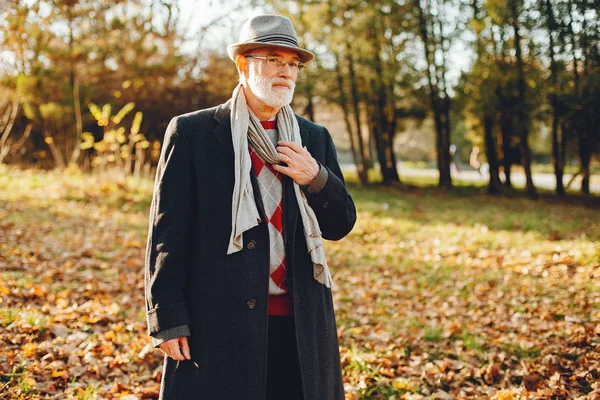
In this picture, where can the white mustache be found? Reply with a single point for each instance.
(287, 82)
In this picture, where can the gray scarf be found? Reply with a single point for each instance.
(245, 129)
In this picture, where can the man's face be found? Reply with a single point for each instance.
(271, 84)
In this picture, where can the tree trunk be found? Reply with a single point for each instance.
(577, 119)
(15, 148)
(443, 153)
(564, 141)
(140, 154)
(72, 143)
(376, 134)
(506, 134)
(522, 118)
(556, 153)
(391, 127)
(78, 122)
(364, 151)
(504, 109)
(585, 153)
(309, 110)
(357, 153)
(57, 156)
(383, 136)
(344, 105)
(445, 103)
(488, 117)
(587, 112)
(10, 115)
(490, 153)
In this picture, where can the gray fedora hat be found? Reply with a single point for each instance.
(268, 31)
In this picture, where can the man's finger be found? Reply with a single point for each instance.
(166, 347)
(185, 347)
(174, 351)
(293, 145)
(287, 151)
(286, 158)
(284, 170)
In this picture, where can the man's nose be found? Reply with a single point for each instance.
(286, 72)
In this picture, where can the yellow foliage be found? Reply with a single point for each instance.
(137, 122)
(123, 113)
(58, 374)
(504, 395)
(29, 349)
(4, 289)
(120, 135)
(87, 140)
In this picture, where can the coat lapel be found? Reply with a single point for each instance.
(223, 135)
(290, 209)
(223, 129)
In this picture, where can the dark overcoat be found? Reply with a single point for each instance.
(191, 280)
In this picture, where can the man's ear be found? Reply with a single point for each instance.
(241, 63)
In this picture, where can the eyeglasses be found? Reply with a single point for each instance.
(276, 62)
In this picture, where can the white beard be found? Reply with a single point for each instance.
(262, 88)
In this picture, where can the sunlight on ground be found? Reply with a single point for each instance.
(437, 295)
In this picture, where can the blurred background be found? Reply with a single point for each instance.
(505, 92)
(468, 133)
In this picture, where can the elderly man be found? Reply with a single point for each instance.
(237, 286)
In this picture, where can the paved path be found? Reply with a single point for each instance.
(541, 180)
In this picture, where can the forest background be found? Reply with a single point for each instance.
(468, 134)
(501, 84)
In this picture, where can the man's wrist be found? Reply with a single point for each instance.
(315, 174)
(319, 182)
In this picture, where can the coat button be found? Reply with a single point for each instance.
(251, 245)
(325, 204)
(251, 304)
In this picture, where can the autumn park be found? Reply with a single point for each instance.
(467, 134)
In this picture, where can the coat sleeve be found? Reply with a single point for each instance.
(170, 333)
(332, 204)
(167, 251)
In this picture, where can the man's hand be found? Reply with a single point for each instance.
(178, 348)
(301, 166)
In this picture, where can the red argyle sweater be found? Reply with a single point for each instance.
(271, 191)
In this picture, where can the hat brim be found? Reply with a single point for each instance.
(242, 48)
